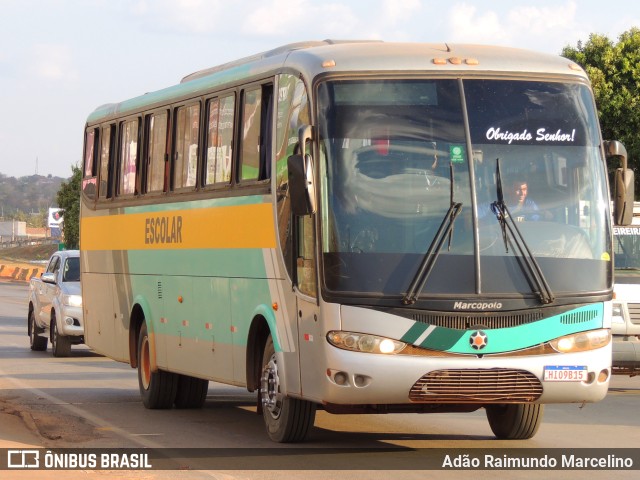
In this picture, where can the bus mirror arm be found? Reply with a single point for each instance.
(623, 194)
(301, 177)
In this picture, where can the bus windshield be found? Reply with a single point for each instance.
(397, 154)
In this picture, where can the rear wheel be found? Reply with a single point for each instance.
(158, 389)
(518, 421)
(60, 344)
(192, 392)
(38, 343)
(287, 419)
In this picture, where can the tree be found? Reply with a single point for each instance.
(614, 71)
(68, 198)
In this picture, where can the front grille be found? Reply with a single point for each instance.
(495, 385)
(634, 312)
(578, 317)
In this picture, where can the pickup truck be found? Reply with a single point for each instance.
(55, 305)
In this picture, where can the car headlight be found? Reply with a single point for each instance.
(363, 342)
(72, 300)
(617, 314)
(583, 341)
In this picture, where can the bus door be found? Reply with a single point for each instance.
(310, 332)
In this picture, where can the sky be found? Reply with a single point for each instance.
(60, 59)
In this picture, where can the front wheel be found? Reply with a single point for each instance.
(158, 389)
(518, 421)
(60, 344)
(287, 419)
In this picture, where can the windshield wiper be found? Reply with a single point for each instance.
(429, 259)
(511, 234)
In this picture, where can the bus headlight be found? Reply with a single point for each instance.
(362, 342)
(581, 342)
(72, 300)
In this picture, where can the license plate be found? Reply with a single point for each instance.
(565, 373)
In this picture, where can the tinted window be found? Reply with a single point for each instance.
(128, 157)
(219, 153)
(186, 152)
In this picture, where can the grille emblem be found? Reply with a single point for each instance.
(478, 340)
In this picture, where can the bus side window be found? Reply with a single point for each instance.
(106, 162)
(92, 139)
(156, 152)
(185, 155)
(128, 157)
(257, 120)
(219, 152)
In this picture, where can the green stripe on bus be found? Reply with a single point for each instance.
(442, 338)
(414, 332)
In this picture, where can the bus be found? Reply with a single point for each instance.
(625, 325)
(341, 225)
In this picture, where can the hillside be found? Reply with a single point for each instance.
(28, 194)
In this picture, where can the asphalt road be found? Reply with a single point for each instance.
(87, 401)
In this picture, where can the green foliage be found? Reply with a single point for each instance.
(614, 70)
(28, 198)
(69, 199)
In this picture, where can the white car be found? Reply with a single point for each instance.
(55, 305)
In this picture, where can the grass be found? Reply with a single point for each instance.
(29, 253)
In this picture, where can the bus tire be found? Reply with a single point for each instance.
(287, 419)
(517, 421)
(37, 342)
(192, 392)
(157, 389)
(60, 344)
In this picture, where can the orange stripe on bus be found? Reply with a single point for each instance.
(240, 226)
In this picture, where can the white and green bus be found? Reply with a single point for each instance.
(334, 225)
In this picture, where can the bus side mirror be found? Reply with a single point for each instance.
(301, 185)
(623, 193)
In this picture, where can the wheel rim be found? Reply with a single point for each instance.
(145, 363)
(270, 388)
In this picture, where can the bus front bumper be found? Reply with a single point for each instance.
(356, 378)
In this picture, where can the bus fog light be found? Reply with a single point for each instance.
(361, 381)
(604, 376)
(340, 378)
(68, 321)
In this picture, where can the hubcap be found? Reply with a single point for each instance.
(270, 388)
(145, 367)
